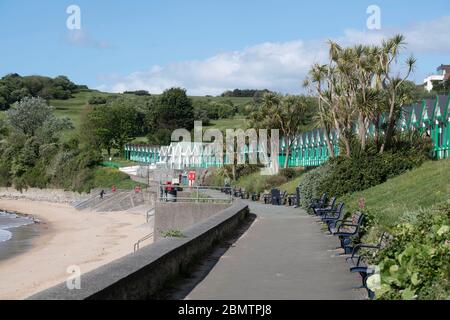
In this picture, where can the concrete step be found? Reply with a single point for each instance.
(119, 201)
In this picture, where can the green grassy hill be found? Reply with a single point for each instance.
(73, 108)
(413, 191)
(238, 122)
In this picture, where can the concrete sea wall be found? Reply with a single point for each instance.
(50, 195)
(181, 215)
(143, 274)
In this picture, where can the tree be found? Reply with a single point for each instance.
(392, 83)
(112, 125)
(3, 129)
(14, 88)
(31, 143)
(172, 110)
(286, 113)
(31, 115)
(357, 87)
(315, 82)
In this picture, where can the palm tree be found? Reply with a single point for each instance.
(285, 113)
(316, 76)
(391, 84)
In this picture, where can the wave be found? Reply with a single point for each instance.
(5, 235)
(10, 221)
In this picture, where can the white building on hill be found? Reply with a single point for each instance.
(443, 74)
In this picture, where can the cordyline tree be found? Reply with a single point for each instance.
(286, 113)
(358, 85)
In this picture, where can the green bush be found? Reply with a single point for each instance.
(275, 180)
(246, 169)
(366, 170)
(416, 263)
(5, 178)
(215, 178)
(97, 100)
(290, 173)
(311, 182)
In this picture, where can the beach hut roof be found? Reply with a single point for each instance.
(406, 115)
(430, 104)
(443, 105)
(416, 114)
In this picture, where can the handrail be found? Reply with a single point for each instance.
(148, 215)
(196, 190)
(137, 244)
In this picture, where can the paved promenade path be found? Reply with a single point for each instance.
(283, 255)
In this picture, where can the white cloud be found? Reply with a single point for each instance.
(432, 36)
(275, 66)
(425, 37)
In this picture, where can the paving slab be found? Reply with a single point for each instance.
(284, 254)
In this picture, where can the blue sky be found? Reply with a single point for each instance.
(206, 46)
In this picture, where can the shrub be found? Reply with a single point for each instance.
(246, 169)
(311, 182)
(215, 178)
(273, 181)
(415, 264)
(138, 92)
(366, 170)
(97, 100)
(290, 173)
(173, 234)
(4, 175)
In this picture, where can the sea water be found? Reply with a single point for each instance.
(15, 233)
(10, 221)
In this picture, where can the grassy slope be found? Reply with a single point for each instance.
(290, 185)
(108, 177)
(239, 101)
(238, 122)
(74, 107)
(419, 188)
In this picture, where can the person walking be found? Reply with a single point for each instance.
(102, 193)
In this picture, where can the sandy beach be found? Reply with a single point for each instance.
(68, 237)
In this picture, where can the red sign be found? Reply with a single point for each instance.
(191, 176)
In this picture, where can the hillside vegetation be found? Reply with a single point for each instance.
(417, 189)
(73, 108)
